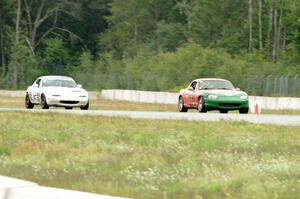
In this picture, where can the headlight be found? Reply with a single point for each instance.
(244, 97)
(213, 97)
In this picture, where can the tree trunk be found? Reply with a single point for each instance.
(284, 39)
(135, 33)
(16, 65)
(260, 24)
(268, 40)
(274, 54)
(18, 22)
(250, 24)
(2, 46)
(36, 16)
(278, 39)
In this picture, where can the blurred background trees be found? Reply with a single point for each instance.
(147, 44)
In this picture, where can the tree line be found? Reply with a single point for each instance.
(147, 44)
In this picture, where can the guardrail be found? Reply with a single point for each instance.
(141, 96)
(11, 188)
(172, 98)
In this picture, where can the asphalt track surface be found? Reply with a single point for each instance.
(287, 120)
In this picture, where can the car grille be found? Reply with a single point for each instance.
(69, 102)
(228, 105)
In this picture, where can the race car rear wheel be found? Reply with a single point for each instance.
(44, 102)
(28, 103)
(86, 107)
(181, 106)
(201, 105)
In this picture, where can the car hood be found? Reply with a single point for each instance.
(225, 92)
(63, 90)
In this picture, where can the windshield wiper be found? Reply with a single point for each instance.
(224, 88)
(205, 88)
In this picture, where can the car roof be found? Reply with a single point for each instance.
(56, 77)
(203, 79)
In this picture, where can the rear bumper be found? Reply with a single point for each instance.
(228, 104)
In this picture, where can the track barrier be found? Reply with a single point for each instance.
(172, 98)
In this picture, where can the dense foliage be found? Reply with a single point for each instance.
(147, 44)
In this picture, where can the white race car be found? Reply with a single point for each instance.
(57, 91)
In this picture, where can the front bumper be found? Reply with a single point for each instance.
(228, 103)
(67, 101)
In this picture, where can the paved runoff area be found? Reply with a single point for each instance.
(288, 120)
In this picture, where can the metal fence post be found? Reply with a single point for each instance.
(273, 85)
(296, 87)
(267, 85)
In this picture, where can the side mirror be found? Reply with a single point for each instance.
(190, 88)
(79, 85)
(238, 89)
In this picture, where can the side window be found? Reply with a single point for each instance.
(38, 82)
(193, 84)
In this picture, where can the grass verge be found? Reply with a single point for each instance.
(99, 104)
(151, 159)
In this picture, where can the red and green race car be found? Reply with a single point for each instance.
(212, 94)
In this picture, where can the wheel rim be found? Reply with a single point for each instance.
(180, 104)
(200, 104)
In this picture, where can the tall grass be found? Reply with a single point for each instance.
(152, 159)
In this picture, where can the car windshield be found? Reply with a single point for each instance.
(59, 83)
(215, 84)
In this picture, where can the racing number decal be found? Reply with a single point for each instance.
(38, 97)
(34, 96)
(190, 99)
(31, 96)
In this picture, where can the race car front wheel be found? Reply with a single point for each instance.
(44, 102)
(244, 110)
(28, 103)
(201, 105)
(86, 107)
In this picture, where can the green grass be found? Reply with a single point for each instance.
(152, 159)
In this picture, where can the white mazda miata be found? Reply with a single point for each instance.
(57, 91)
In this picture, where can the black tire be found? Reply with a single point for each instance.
(181, 107)
(201, 105)
(68, 108)
(244, 110)
(28, 103)
(86, 107)
(44, 104)
(223, 111)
